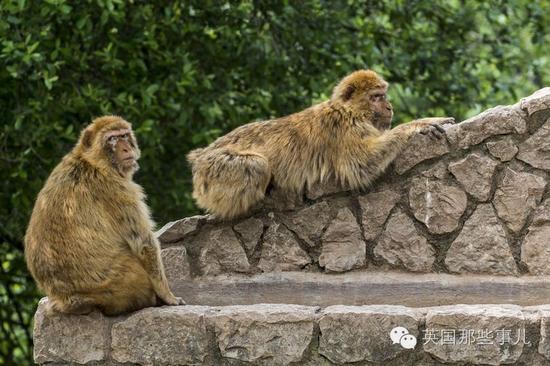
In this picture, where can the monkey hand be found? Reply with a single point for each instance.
(434, 130)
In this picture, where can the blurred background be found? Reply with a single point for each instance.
(185, 72)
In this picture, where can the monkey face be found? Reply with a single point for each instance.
(122, 148)
(381, 108)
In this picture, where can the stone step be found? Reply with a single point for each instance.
(282, 334)
(364, 288)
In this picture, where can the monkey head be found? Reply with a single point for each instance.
(109, 142)
(364, 92)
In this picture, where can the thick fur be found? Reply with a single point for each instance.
(90, 241)
(342, 138)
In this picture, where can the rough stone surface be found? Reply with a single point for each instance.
(451, 341)
(177, 230)
(162, 336)
(535, 251)
(420, 147)
(438, 205)
(375, 209)
(222, 253)
(281, 251)
(503, 149)
(309, 222)
(538, 101)
(266, 334)
(319, 190)
(401, 245)
(475, 174)
(481, 246)
(70, 338)
(250, 230)
(544, 344)
(495, 121)
(176, 264)
(535, 151)
(517, 196)
(343, 248)
(362, 333)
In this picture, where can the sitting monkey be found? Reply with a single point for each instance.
(346, 138)
(90, 244)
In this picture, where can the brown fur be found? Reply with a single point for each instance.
(90, 242)
(345, 138)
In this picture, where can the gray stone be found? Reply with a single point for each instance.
(438, 205)
(343, 248)
(475, 174)
(375, 209)
(281, 251)
(535, 252)
(266, 334)
(538, 101)
(438, 170)
(251, 231)
(362, 333)
(176, 264)
(177, 230)
(174, 335)
(279, 199)
(516, 197)
(222, 252)
(69, 338)
(496, 330)
(309, 223)
(481, 246)
(535, 151)
(400, 244)
(542, 213)
(544, 344)
(419, 148)
(495, 121)
(319, 189)
(503, 149)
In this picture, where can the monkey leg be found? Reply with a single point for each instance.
(131, 290)
(228, 182)
(72, 304)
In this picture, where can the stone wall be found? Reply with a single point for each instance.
(477, 202)
(270, 334)
(461, 220)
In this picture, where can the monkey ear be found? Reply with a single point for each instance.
(86, 139)
(347, 93)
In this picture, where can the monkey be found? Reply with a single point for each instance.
(89, 243)
(346, 138)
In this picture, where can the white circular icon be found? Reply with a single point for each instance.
(408, 341)
(396, 334)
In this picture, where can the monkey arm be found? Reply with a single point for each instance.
(365, 159)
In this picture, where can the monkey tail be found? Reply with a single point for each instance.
(229, 182)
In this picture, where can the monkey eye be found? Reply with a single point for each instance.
(112, 139)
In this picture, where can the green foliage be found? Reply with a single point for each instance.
(185, 72)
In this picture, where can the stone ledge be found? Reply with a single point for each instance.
(364, 288)
(280, 334)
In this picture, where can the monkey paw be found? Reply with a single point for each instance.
(172, 301)
(434, 131)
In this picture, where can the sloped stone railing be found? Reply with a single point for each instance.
(464, 220)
